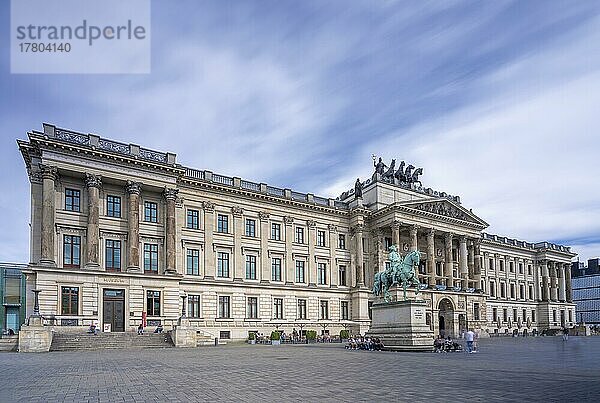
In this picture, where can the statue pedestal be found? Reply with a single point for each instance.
(401, 326)
(35, 337)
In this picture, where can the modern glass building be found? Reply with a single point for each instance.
(12, 295)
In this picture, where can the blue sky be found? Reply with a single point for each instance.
(497, 101)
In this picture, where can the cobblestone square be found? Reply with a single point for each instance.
(506, 369)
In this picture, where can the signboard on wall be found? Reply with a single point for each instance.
(107, 327)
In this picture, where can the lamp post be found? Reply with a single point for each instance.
(183, 310)
(36, 303)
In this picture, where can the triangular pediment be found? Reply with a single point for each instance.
(444, 209)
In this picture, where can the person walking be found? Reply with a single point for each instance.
(565, 334)
(469, 336)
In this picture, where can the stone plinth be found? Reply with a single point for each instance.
(35, 338)
(184, 335)
(401, 326)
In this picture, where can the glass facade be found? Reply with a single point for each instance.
(12, 296)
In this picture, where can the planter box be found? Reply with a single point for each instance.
(251, 341)
(275, 342)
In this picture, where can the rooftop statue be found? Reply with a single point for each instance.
(389, 174)
(399, 175)
(379, 166)
(414, 178)
(358, 187)
(399, 272)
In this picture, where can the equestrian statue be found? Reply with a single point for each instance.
(401, 271)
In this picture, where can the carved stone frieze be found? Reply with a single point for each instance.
(237, 211)
(209, 207)
(443, 209)
(288, 220)
(92, 180)
(263, 215)
(332, 228)
(310, 223)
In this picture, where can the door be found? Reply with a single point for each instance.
(114, 310)
(12, 318)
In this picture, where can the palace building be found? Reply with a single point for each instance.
(121, 234)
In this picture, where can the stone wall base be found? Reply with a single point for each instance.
(35, 339)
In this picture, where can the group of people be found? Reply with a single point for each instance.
(445, 345)
(364, 343)
(140, 329)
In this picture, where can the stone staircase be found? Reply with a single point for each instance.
(72, 342)
(9, 343)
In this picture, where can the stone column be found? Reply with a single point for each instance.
(431, 256)
(379, 243)
(471, 261)
(333, 269)
(448, 264)
(545, 281)
(238, 230)
(413, 237)
(49, 176)
(265, 264)
(312, 264)
(477, 263)
(358, 231)
(93, 183)
(462, 261)
(396, 233)
(562, 283)
(210, 263)
(289, 239)
(568, 286)
(133, 223)
(170, 196)
(553, 282)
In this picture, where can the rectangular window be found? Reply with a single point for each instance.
(276, 269)
(502, 290)
(193, 306)
(530, 292)
(512, 291)
(222, 264)
(491, 264)
(299, 236)
(150, 258)
(529, 270)
(320, 238)
(276, 231)
(278, 308)
(223, 223)
(72, 200)
(502, 265)
(388, 243)
(113, 255)
(224, 311)
(533, 315)
(193, 262)
(520, 268)
(570, 316)
(492, 289)
(252, 308)
(300, 271)
(342, 241)
(494, 314)
(521, 291)
(322, 273)
(476, 311)
(554, 315)
(504, 315)
(153, 303)
(69, 301)
(515, 315)
(250, 227)
(342, 271)
(511, 266)
(113, 206)
(344, 310)
(250, 267)
(301, 309)
(71, 251)
(324, 309)
(193, 219)
(524, 314)
(150, 212)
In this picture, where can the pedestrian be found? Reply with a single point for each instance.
(565, 333)
(140, 329)
(469, 336)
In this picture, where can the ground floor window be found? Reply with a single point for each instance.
(494, 314)
(225, 334)
(69, 301)
(324, 309)
(301, 309)
(252, 309)
(533, 315)
(224, 307)
(278, 308)
(153, 303)
(344, 310)
(194, 306)
(476, 311)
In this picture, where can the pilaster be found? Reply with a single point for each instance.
(93, 183)
(133, 190)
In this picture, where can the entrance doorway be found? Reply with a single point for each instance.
(446, 318)
(11, 319)
(114, 310)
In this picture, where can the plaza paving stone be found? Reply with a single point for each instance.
(505, 369)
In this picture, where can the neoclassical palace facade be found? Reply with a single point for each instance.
(121, 235)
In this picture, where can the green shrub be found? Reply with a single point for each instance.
(251, 336)
(275, 335)
(344, 334)
(311, 334)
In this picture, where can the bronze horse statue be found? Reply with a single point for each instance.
(400, 272)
